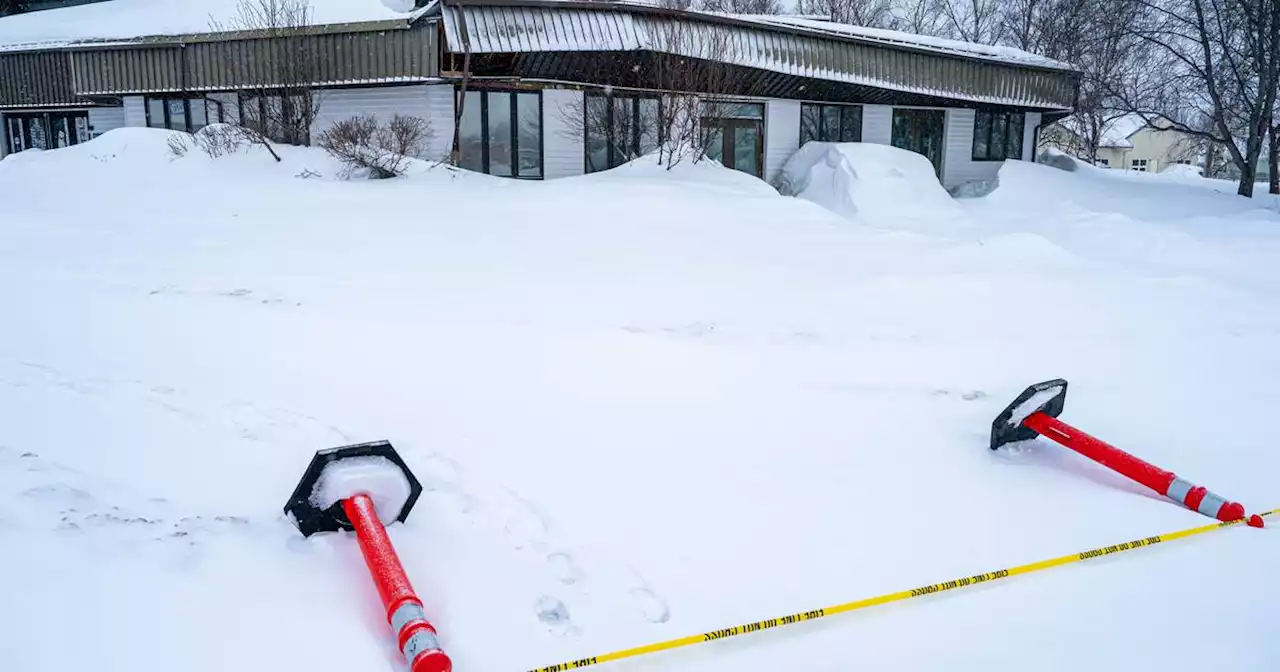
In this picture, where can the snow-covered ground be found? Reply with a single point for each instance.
(641, 408)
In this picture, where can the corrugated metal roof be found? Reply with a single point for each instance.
(522, 26)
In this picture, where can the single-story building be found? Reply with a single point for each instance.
(553, 88)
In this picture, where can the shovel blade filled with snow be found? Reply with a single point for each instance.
(316, 506)
(1048, 397)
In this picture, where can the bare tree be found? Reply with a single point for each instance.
(676, 4)
(278, 99)
(921, 17)
(978, 21)
(873, 13)
(8, 7)
(1214, 70)
(385, 150)
(692, 64)
(741, 6)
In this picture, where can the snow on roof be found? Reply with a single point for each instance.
(126, 19)
(984, 51)
(1116, 133)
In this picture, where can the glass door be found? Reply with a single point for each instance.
(14, 134)
(733, 134)
(68, 128)
(920, 131)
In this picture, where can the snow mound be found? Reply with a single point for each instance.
(881, 185)
(1140, 196)
(1183, 170)
(374, 475)
(704, 172)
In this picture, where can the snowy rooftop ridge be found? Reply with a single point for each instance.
(1116, 133)
(121, 20)
(957, 47)
(816, 25)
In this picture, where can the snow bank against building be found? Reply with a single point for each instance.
(706, 173)
(880, 185)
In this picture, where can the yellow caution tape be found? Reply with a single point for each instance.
(965, 582)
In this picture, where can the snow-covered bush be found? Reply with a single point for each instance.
(384, 150)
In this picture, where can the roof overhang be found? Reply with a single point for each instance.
(567, 26)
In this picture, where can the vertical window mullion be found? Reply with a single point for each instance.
(635, 126)
(610, 155)
(515, 134)
(991, 129)
(186, 112)
(484, 130)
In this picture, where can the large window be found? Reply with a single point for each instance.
(282, 117)
(183, 113)
(501, 133)
(830, 123)
(997, 135)
(620, 128)
(733, 135)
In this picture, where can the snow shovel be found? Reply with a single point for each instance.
(1035, 413)
(360, 488)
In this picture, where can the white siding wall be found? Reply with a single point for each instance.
(382, 102)
(877, 124)
(781, 135)
(958, 165)
(440, 115)
(103, 119)
(562, 146)
(135, 111)
(1029, 136)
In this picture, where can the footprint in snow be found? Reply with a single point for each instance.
(564, 569)
(654, 608)
(553, 613)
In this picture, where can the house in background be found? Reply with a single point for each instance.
(1128, 142)
(533, 70)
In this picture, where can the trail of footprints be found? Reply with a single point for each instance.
(530, 531)
(69, 502)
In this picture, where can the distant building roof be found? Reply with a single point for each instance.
(130, 19)
(1117, 132)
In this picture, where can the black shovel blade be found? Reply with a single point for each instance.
(311, 519)
(1004, 431)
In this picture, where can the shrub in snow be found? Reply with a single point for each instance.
(383, 150)
(217, 140)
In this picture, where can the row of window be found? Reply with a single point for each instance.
(501, 131)
(1140, 165)
(277, 116)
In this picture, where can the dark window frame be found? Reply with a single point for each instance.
(984, 122)
(634, 140)
(485, 140)
(46, 120)
(725, 115)
(186, 99)
(821, 109)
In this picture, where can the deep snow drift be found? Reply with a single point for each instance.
(877, 184)
(640, 409)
